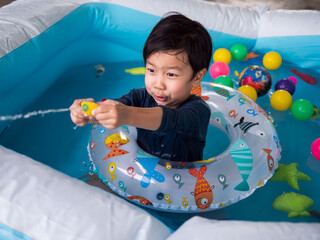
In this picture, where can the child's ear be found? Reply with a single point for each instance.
(197, 79)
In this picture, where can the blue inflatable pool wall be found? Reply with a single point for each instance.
(99, 32)
(42, 46)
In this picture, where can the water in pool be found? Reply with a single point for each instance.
(53, 140)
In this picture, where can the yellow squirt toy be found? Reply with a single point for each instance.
(87, 107)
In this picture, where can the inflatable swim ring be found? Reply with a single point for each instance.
(248, 162)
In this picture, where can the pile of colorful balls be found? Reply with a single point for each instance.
(255, 81)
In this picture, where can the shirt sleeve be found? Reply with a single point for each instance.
(134, 98)
(191, 119)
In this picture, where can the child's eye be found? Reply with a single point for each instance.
(172, 75)
(150, 70)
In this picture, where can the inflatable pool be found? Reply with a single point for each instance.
(52, 53)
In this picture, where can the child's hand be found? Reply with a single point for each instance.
(77, 115)
(111, 114)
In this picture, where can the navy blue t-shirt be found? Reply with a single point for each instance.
(182, 133)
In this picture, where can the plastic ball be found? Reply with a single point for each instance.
(222, 55)
(272, 60)
(238, 51)
(302, 109)
(257, 77)
(315, 149)
(224, 80)
(248, 91)
(219, 68)
(285, 84)
(293, 79)
(281, 100)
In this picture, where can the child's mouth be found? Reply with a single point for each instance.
(160, 99)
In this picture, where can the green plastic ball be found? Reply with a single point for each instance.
(302, 109)
(238, 51)
(224, 80)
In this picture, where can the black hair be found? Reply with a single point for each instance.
(178, 33)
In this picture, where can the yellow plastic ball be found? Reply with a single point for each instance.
(222, 55)
(272, 60)
(281, 100)
(248, 91)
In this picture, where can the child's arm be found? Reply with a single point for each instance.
(112, 114)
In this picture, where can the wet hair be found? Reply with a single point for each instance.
(176, 32)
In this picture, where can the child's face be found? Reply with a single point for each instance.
(168, 78)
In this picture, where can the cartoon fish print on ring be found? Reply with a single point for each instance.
(269, 158)
(244, 126)
(149, 162)
(203, 195)
(141, 200)
(197, 91)
(242, 156)
(222, 179)
(113, 142)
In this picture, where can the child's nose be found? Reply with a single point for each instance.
(160, 83)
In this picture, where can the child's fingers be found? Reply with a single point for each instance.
(77, 103)
(76, 113)
(75, 108)
(79, 119)
(105, 106)
(109, 123)
(109, 102)
(102, 109)
(101, 114)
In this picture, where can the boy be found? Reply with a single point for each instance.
(172, 124)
